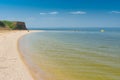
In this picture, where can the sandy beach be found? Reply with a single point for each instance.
(11, 65)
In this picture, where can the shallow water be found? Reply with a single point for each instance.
(69, 55)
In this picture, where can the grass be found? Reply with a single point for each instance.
(9, 24)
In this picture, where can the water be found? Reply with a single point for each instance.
(73, 55)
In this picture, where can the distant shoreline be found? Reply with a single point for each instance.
(89, 29)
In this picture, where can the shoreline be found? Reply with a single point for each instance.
(22, 57)
(12, 65)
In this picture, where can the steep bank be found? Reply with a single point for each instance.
(12, 25)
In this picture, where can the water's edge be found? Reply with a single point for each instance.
(30, 69)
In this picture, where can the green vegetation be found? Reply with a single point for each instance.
(13, 25)
(9, 24)
(2, 24)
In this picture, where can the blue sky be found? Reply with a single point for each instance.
(62, 13)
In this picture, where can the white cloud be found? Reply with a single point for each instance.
(49, 13)
(116, 12)
(43, 13)
(78, 12)
(53, 13)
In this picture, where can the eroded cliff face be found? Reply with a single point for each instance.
(20, 26)
(14, 25)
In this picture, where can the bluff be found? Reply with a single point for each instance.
(12, 25)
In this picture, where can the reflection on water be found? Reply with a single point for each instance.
(73, 55)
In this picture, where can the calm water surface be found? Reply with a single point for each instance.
(70, 55)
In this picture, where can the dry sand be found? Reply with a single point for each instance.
(11, 65)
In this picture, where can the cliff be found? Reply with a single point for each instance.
(12, 25)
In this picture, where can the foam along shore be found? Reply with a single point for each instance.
(11, 65)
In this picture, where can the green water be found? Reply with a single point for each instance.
(73, 55)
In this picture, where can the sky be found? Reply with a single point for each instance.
(62, 13)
